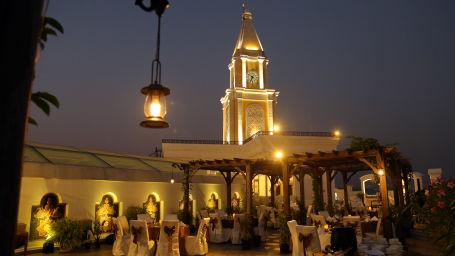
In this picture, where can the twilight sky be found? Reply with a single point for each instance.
(383, 69)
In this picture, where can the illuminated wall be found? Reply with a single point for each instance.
(81, 196)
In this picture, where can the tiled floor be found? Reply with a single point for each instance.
(419, 245)
(270, 247)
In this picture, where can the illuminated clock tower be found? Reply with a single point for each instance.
(248, 106)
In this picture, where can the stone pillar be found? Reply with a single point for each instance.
(345, 187)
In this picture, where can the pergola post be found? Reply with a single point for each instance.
(273, 181)
(387, 226)
(302, 186)
(249, 194)
(328, 177)
(286, 199)
(186, 194)
(228, 192)
(345, 188)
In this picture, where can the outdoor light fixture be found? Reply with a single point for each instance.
(381, 172)
(172, 176)
(155, 101)
(279, 154)
(337, 133)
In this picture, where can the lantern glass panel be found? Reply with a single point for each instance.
(155, 104)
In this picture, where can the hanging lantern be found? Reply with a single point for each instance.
(155, 106)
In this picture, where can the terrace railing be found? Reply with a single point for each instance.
(252, 137)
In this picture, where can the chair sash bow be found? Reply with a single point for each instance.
(169, 230)
(306, 240)
(136, 231)
(213, 222)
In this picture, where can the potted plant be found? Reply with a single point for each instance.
(67, 233)
(285, 234)
(97, 231)
(246, 231)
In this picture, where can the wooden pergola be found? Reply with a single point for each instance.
(347, 163)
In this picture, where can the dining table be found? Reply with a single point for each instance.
(154, 234)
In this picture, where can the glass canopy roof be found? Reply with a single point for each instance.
(41, 153)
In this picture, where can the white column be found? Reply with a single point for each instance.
(239, 121)
(261, 75)
(244, 72)
(233, 73)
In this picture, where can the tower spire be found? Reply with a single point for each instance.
(248, 41)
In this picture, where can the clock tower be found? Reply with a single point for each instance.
(248, 106)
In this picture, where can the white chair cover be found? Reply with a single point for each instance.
(350, 219)
(221, 212)
(124, 224)
(314, 244)
(272, 223)
(217, 233)
(262, 225)
(308, 212)
(122, 239)
(292, 224)
(145, 217)
(197, 245)
(377, 233)
(236, 231)
(140, 245)
(170, 217)
(168, 243)
(319, 219)
(325, 214)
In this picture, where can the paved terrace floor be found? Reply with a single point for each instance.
(419, 245)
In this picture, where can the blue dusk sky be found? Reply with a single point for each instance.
(383, 69)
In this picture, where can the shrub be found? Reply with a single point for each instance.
(439, 212)
(67, 233)
(132, 211)
(285, 234)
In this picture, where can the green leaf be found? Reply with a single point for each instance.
(49, 31)
(53, 23)
(50, 98)
(43, 105)
(32, 121)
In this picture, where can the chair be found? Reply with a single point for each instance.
(197, 245)
(348, 220)
(272, 223)
(292, 224)
(217, 233)
(145, 217)
(319, 220)
(168, 243)
(122, 239)
(236, 231)
(170, 217)
(325, 214)
(307, 240)
(262, 222)
(221, 212)
(378, 230)
(140, 245)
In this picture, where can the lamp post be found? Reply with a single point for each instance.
(155, 101)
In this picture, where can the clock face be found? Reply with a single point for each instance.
(252, 77)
